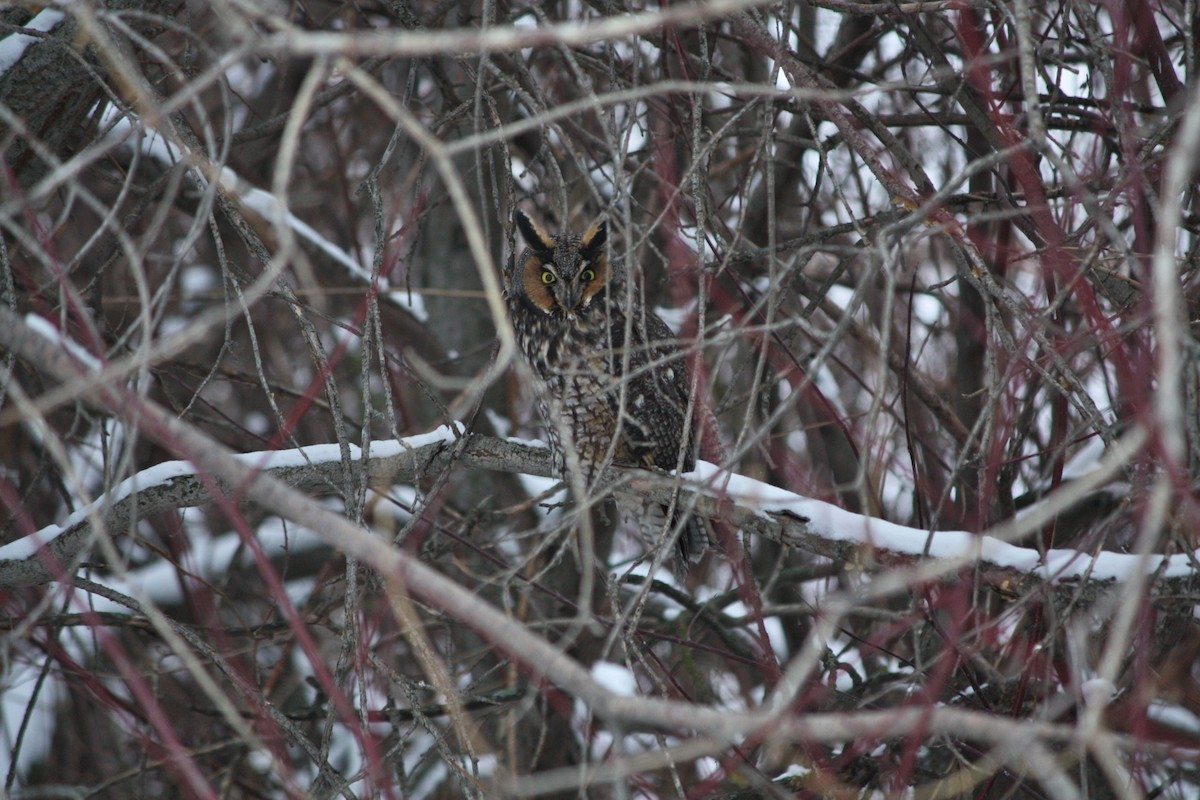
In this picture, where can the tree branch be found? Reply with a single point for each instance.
(758, 508)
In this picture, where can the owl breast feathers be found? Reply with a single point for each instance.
(610, 378)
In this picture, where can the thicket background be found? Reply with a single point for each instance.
(937, 258)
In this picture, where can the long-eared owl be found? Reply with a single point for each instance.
(610, 376)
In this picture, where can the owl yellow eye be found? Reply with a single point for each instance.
(548, 277)
(588, 275)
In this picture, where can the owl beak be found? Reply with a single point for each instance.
(571, 301)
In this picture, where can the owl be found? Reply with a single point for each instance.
(610, 378)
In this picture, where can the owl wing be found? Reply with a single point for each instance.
(657, 426)
(663, 427)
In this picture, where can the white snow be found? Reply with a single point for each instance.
(46, 329)
(13, 47)
(197, 278)
(616, 678)
(550, 507)
(1175, 716)
(707, 767)
(153, 476)
(208, 558)
(778, 641)
(502, 425)
(1086, 460)
(21, 695)
(393, 506)
(829, 387)
(332, 452)
(256, 422)
(1097, 691)
(269, 207)
(928, 310)
(528, 442)
(676, 318)
(836, 524)
(415, 303)
(150, 143)
(824, 520)
(168, 470)
(794, 771)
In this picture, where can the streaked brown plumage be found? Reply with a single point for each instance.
(613, 403)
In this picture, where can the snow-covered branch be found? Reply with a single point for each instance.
(747, 504)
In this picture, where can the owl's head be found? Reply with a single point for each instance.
(561, 275)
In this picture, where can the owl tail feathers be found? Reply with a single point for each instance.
(694, 539)
(650, 519)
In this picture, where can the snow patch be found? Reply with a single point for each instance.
(616, 678)
(24, 701)
(1175, 716)
(1097, 691)
(44, 328)
(14, 46)
(162, 474)
(836, 524)
(676, 318)
(404, 298)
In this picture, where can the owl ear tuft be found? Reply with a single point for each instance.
(506, 271)
(532, 233)
(595, 236)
